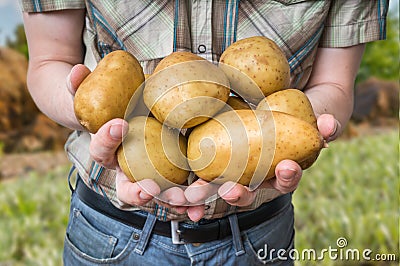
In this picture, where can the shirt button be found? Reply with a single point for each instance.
(202, 48)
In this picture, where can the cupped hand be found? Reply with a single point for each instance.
(103, 147)
(288, 174)
(106, 141)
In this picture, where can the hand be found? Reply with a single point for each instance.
(107, 140)
(287, 177)
(78, 73)
(104, 145)
(288, 173)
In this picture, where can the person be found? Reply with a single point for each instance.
(114, 221)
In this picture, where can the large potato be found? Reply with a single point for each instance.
(153, 151)
(290, 101)
(256, 67)
(105, 93)
(185, 90)
(296, 103)
(245, 146)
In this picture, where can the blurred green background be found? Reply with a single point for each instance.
(351, 193)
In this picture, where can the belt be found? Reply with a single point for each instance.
(201, 232)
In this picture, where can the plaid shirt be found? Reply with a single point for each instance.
(152, 30)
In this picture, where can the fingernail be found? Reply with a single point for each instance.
(334, 133)
(144, 196)
(334, 129)
(287, 174)
(69, 85)
(116, 131)
(232, 200)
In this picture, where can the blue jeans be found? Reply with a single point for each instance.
(95, 239)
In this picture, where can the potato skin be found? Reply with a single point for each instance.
(153, 151)
(296, 140)
(296, 103)
(290, 101)
(176, 58)
(105, 93)
(185, 90)
(245, 146)
(256, 67)
(227, 147)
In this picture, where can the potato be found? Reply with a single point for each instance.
(296, 103)
(235, 103)
(185, 90)
(290, 101)
(153, 151)
(245, 146)
(138, 107)
(176, 58)
(256, 67)
(105, 93)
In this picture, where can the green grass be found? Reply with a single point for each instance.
(352, 191)
(33, 218)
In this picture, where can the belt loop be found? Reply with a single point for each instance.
(146, 233)
(71, 171)
(236, 237)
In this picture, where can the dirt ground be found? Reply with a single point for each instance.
(17, 165)
(380, 126)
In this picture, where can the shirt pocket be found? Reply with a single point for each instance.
(144, 28)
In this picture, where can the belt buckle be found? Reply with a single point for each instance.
(176, 233)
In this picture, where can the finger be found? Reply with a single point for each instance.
(106, 141)
(195, 213)
(288, 174)
(173, 196)
(181, 209)
(236, 194)
(329, 127)
(76, 76)
(138, 193)
(199, 191)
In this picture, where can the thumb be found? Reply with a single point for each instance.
(78, 73)
(105, 142)
(329, 127)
